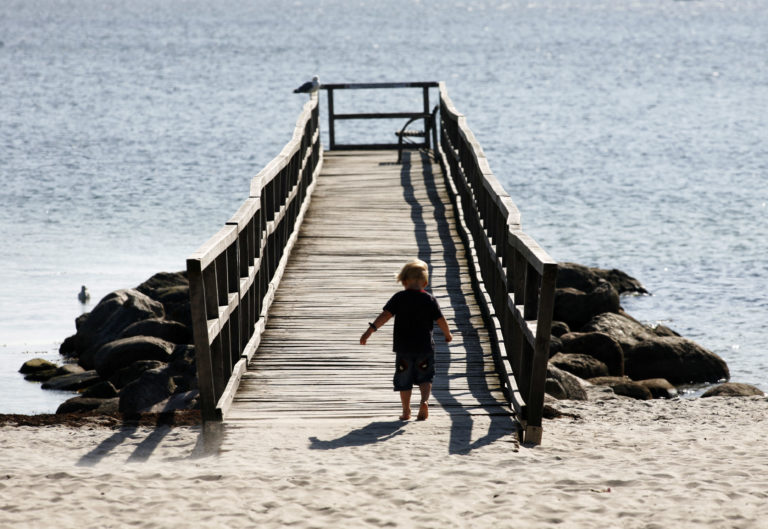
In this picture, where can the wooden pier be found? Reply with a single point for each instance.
(367, 217)
(283, 292)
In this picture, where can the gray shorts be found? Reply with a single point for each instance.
(413, 370)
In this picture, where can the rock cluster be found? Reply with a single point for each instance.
(596, 342)
(131, 354)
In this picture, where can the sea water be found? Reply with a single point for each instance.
(630, 134)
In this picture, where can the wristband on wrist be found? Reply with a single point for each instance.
(372, 326)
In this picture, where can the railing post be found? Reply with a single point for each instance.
(233, 280)
(546, 304)
(531, 295)
(426, 115)
(198, 308)
(220, 345)
(331, 118)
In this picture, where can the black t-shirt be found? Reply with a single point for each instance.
(415, 312)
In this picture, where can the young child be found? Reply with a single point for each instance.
(415, 310)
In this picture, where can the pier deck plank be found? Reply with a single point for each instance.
(367, 217)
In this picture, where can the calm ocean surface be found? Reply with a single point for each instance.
(631, 134)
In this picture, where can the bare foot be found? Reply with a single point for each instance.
(406, 415)
(423, 412)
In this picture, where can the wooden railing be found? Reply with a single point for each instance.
(514, 277)
(234, 275)
(333, 116)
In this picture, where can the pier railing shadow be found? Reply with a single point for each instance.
(209, 441)
(512, 276)
(469, 352)
(130, 430)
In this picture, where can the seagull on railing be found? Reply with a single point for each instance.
(309, 86)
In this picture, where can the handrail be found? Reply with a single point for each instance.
(424, 113)
(516, 281)
(234, 275)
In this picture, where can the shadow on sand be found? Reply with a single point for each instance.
(208, 442)
(374, 432)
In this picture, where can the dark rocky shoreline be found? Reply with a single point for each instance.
(133, 353)
(595, 341)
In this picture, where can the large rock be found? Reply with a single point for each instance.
(733, 389)
(576, 307)
(632, 389)
(598, 345)
(170, 331)
(624, 386)
(678, 360)
(563, 385)
(177, 305)
(87, 404)
(660, 388)
(183, 368)
(69, 369)
(663, 330)
(572, 275)
(187, 400)
(559, 328)
(183, 359)
(101, 390)
(80, 320)
(161, 282)
(555, 345)
(186, 382)
(72, 382)
(37, 365)
(172, 290)
(659, 353)
(607, 380)
(132, 372)
(622, 282)
(121, 353)
(113, 314)
(151, 387)
(79, 405)
(625, 330)
(583, 366)
(43, 376)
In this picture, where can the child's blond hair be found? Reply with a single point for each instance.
(413, 270)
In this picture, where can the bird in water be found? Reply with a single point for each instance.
(309, 86)
(84, 295)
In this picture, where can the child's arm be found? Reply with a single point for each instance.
(380, 320)
(444, 327)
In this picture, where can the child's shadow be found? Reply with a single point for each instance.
(369, 434)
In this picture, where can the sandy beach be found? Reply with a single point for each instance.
(624, 463)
